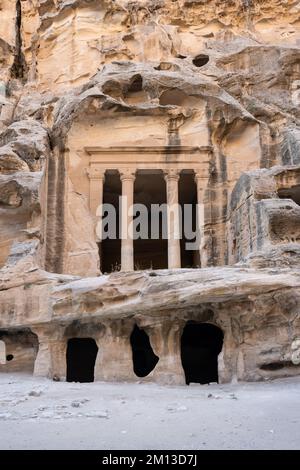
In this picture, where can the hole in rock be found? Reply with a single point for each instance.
(144, 359)
(272, 366)
(290, 193)
(201, 343)
(135, 93)
(201, 60)
(19, 350)
(136, 84)
(81, 358)
(113, 89)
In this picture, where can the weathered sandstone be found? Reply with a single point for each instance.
(192, 100)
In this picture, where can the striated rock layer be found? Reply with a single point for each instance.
(92, 89)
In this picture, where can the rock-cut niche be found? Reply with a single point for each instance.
(18, 350)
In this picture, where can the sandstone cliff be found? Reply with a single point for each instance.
(214, 74)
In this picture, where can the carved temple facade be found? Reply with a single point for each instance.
(150, 111)
(165, 165)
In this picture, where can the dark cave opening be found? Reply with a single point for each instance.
(273, 366)
(81, 358)
(201, 60)
(290, 193)
(143, 357)
(136, 84)
(18, 350)
(201, 343)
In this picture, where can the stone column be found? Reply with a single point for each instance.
(165, 338)
(127, 253)
(96, 177)
(172, 179)
(114, 359)
(51, 357)
(201, 183)
(43, 361)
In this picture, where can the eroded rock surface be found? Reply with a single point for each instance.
(91, 91)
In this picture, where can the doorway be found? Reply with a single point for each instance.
(150, 252)
(81, 358)
(110, 247)
(201, 343)
(187, 191)
(143, 357)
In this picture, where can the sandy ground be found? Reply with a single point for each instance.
(41, 414)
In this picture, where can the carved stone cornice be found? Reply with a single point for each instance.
(159, 149)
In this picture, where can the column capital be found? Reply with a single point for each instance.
(127, 174)
(95, 173)
(172, 175)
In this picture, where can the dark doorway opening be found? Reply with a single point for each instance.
(110, 247)
(188, 201)
(144, 359)
(150, 252)
(81, 358)
(201, 343)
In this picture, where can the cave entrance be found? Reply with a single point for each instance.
(81, 358)
(201, 343)
(143, 357)
(18, 350)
